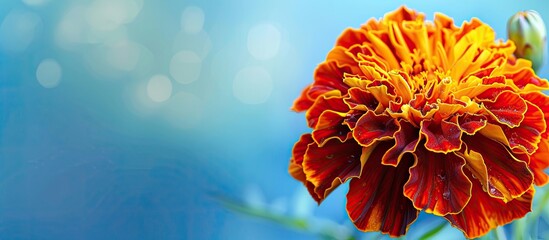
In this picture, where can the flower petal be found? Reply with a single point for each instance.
(542, 101)
(359, 99)
(296, 169)
(472, 123)
(303, 102)
(437, 183)
(329, 126)
(328, 166)
(526, 76)
(322, 104)
(371, 128)
(501, 174)
(527, 136)
(350, 37)
(406, 140)
(539, 161)
(508, 108)
(441, 137)
(483, 213)
(375, 201)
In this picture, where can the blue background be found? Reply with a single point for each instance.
(95, 157)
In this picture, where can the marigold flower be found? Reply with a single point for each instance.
(425, 116)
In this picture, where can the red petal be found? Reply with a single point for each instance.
(323, 104)
(472, 123)
(350, 37)
(542, 101)
(328, 166)
(527, 136)
(328, 77)
(508, 108)
(437, 183)
(539, 161)
(375, 201)
(330, 126)
(406, 140)
(501, 174)
(296, 169)
(443, 138)
(526, 76)
(303, 102)
(371, 128)
(483, 213)
(361, 100)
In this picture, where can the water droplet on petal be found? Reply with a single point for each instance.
(492, 190)
(446, 195)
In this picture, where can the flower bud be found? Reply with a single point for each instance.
(528, 32)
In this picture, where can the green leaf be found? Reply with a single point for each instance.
(292, 222)
(431, 233)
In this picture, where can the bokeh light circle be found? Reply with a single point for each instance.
(159, 88)
(185, 67)
(18, 30)
(192, 19)
(252, 85)
(49, 73)
(264, 41)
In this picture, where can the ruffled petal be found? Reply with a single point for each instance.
(501, 174)
(472, 123)
(542, 101)
(437, 183)
(329, 126)
(375, 201)
(371, 128)
(526, 77)
(303, 102)
(508, 108)
(328, 166)
(441, 137)
(406, 140)
(329, 77)
(322, 104)
(527, 136)
(362, 100)
(540, 161)
(296, 169)
(484, 213)
(350, 37)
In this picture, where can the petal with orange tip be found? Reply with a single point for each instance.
(527, 136)
(406, 140)
(303, 102)
(471, 123)
(508, 108)
(322, 104)
(540, 161)
(328, 166)
(484, 213)
(371, 128)
(501, 174)
(437, 183)
(542, 101)
(296, 169)
(441, 137)
(526, 76)
(359, 99)
(375, 201)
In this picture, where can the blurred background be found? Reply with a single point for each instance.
(144, 119)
